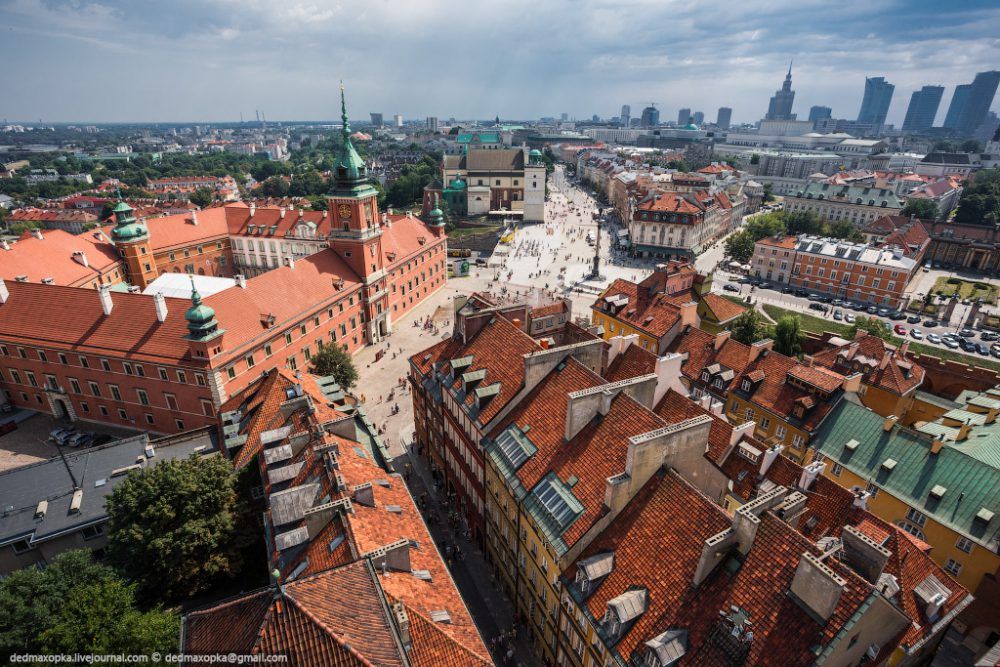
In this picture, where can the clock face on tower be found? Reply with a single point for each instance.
(345, 211)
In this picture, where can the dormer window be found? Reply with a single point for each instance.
(704, 376)
(745, 386)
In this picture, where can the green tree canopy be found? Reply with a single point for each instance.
(872, 325)
(750, 327)
(77, 605)
(924, 209)
(172, 527)
(788, 336)
(980, 203)
(202, 197)
(333, 360)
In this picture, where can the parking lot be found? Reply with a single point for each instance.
(945, 335)
(29, 442)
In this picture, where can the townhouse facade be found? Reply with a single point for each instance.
(853, 203)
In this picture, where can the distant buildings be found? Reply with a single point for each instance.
(971, 103)
(432, 123)
(650, 117)
(626, 115)
(819, 113)
(377, 119)
(698, 117)
(780, 106)
(922, 109)
(724, 117)
(397, 120)
(501, 181)
(856, 204)
(875, 103)
(683, 117)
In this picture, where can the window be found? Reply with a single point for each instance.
(75, 386)
(163, 374)
(953, 567)
(964, 545)
(207, 408)
(745, 386)
(128, 368)
(764, 423)
(90, 532)
(250, 361)
(84, 363)
(115, 393)
(62, 359)
(797, 441)
(122, 414)
(199, 379)
(143, 397)
(21, 546)
(41, 356)
(15, 376)
(748, 415)
(105, 365)
(94, 389)
(288, 339)
(267, 350)
(231, 372)
(836, 469)
(103, 410)
(916, 517)
(179, 424)
(149, 418)
(182, 377)
(31, 378)
(779, 431)
(139, 371)
(84, 407)
(912, 529)
(171, 401)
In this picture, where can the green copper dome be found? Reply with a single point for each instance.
(691, 126)
(127, 228)
(201, 318)
(457, 184)
(535, 153)
(436, 216)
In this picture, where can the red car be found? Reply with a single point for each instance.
(900, 330)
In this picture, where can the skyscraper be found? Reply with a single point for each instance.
(626, 115)
(780, 107)
(683, 116)
(724, 117)
(875, 104)
(819, 113)
(981, 93)
(377, 120)
(958, 101)
(698, 117)
(923, 108)
(432, 123)
(650, 116)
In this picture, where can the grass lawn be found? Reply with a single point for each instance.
(966, 289)
(460, 232)
(819, 325)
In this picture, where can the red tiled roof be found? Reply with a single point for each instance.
(176, 231)
(880, 363)
(52, 257)
(653, 313)
(674, 408)
(723, 309)
(699, 345)
(778, 396)
(786, 242)
(671, 202)
(547, 310)
(817, 376)
(631, 363)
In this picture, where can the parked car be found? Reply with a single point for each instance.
(967, 333)
(765, 285)
(849, 318)
(837, 302)
(57, 433)
(917, 334)
(950, 343)
(982, 349)
(817, 306)
(786, 290)
(729, 287)
(966, 345)
(883, 312)
(897, 315)
(995, 352)
(934, 338)
(913, 319)
(989, 336)
(930, 324)
(838, 315)
(813, 296)
(872, 310)
(900, 330)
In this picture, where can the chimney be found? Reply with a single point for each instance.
(4, 245)
(106, 304)
(301, 213)
(936, 444)
(81, 257)
(721, 338)
(161, 307)
(4, 292)
(863, 554)
(768, 459)
(290, 262)
(810, 473)
(746, 521)
(816, 587)
(904, 348)
(241, 280)
(889, 422)
(759, 348)
(253, 208)
(281, 212)
(402, 625)
(37, 233)
(194, 218)
(364, 494)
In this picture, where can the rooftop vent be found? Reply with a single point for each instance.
(441, 616)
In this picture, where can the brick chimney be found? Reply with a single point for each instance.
(816, 587)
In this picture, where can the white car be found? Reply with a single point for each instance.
(917, 333)
(950, 343)
(934, 338)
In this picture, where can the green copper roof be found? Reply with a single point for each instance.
(350, 172)
(484, 137)
(972, 484)
(200, 317)
(127, 228)
(436, 217)
(457, 184)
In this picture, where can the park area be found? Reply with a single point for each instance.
(965, 289)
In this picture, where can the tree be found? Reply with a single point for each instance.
(77, 605)
(750, 327)
(755, 159)
(872, 325)
(924, 209)
(333, 360)
(172, 527)
(802, 222)
(202, 197)
(971, 146)
(980, 203)
(768, 187)
(275, 186)
(788, 335)
(739, 246)
(843, 229)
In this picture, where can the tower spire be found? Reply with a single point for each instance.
(789, 75)
(346, 129)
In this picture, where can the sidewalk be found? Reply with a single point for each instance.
(490, 608)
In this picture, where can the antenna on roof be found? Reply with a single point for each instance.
(69, 470)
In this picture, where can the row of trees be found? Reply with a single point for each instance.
(751, 327)
(740, 244)
(980, 203)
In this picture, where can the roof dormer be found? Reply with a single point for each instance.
(590, 571)
(623, 610)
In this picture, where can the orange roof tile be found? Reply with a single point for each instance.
(52, 257)
(723, 309)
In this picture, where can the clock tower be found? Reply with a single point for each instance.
(356, 230)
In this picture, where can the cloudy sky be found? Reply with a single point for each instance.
(200, 60)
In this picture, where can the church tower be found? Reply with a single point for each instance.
(204, 335)
(356, 230)
(132, 240)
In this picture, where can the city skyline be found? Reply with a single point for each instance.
(184, 62)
